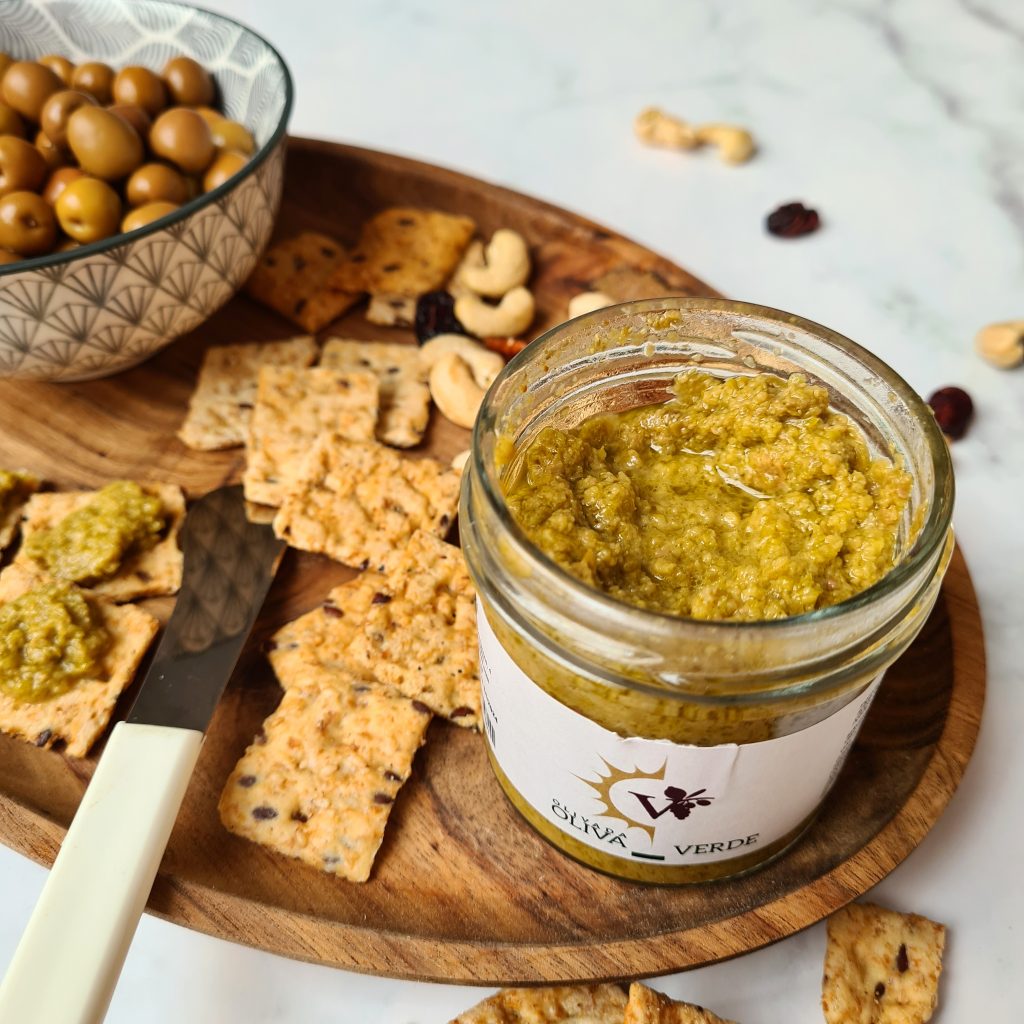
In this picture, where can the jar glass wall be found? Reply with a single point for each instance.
(619, 698)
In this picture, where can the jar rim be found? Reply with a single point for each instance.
(932, 535)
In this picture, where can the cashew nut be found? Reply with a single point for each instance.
(587, 302)
(472, 257)
(454, 390)
(1002, 345)
(506, 266)
(484, 364)
(460, 461)
(735, 145)
(657, 128)
(508, 318)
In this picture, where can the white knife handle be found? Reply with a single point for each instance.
(70, 956)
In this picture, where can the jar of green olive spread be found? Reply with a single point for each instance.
(700, 532)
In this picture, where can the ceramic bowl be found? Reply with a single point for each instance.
(103, 307)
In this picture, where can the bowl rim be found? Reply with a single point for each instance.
(186, 210)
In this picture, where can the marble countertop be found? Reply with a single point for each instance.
(902, 123)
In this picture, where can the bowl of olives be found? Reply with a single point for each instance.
(141, 163)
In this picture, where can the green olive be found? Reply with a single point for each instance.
(60, 66)
(53, 118)
(183, 137)
(139, 87)
(58, 181)
(135, 116)
(153, 182)
(10, 122)
(27, 86)
(189, 83)
(143, 215)
(27, 224)
(232, 135)
(55, 156)
(67, 245)
(22, 166)
(96, 79)
(88, 210)
(6, 256)
(226, 165)
(103, 144)
(209, 115)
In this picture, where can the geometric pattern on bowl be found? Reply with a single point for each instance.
(107, 306)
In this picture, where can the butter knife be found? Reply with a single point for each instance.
(68, 961)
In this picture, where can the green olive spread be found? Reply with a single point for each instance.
(743, 498)
(50, 638)
(91, 543)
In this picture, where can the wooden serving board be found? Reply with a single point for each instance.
(462, 890)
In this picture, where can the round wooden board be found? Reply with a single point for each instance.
(462, 889)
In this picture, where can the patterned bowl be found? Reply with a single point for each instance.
(106, 306)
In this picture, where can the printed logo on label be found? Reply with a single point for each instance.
(639, 798)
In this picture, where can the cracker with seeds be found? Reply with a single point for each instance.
(564, 1004)
(220, 408)
(881, 967)
(151, 572)
(80, 715)
(412, 627)
(392, 310)
(292, 278)
(404, 251)
(356, 502)
(646, 1006)
(19, 486)
(402, 377)
(303, 790)
(293, 407)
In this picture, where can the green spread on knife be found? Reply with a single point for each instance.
(90, 544)
(50, 638)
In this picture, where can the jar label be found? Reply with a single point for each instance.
(655, 801)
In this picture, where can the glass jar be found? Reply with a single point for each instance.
(655, 747)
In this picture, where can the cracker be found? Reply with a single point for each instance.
(357, 502)
(292, 278)
(881, 967)
(293, 407)
(220, 408)
(402, 377)
(577, 1004)
(411, 627)
(392, 310)
(79, 716)
(153, 572)
(304, 791)
(646, 1006)
(404, 251)
(10, 507)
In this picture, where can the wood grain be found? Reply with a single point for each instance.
(463, 890)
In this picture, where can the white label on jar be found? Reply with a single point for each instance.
(653, 800)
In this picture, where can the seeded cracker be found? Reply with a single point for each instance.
(649, 1007)
(304, 790)
(412, 627)
(392, 310)
(578, 1004)
(881, 967)
(293, 407)
(292, 278)
(357, 502)
(404, 395)
(404, 251)
(152, 572)
(221, 405)
(10, 510)
(80, 715)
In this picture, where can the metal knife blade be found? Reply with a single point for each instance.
(229, 564)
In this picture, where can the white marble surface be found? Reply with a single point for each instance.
(902, 122)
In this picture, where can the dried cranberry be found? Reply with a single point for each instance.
(435, 314)
(791, 220)
(953, 410)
